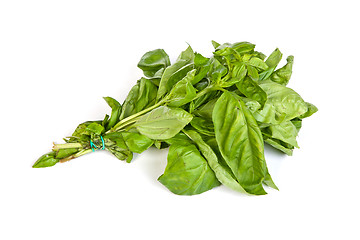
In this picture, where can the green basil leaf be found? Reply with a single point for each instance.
(259, 55)
(176, 72)
(252, 105)
(311, 110)
(253, 73)
(285, 131)
(157, 144)
(153, 63)
(46, 160)
(266, 74)
(187, 172)
(136, 142)
(203, 66)
(237, 73)
(147, 95)
(163, 122)
(218, 71)
(141, 96)
(82, 130)
(187, 55)
(243, 47)
(283, 75)
(205, 97)
(203, 126)
(95, 128)
(275, 143)
(273, 60)
(240, 142)
(257, 63)
(206, 110)
(105, 121)
(238, 70)
(221, 170)
(200, 60)
(115, 138)
(201, 85)
(235, 48)
(129, 105)
(252, 90)
(183, 92)
(297, 123)
(115, 112)
(283, 104)
(179, 138)
(268, 115)
(215, 44)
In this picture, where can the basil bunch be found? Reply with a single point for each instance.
(213, 113)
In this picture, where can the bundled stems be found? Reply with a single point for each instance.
(121, 125)
(215, 138)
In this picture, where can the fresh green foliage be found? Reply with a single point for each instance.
(215, 114)
(187, 171)
(46, 160)
(252, 90)
(240, 141)
(137, 142)
(176, 72)
(163, 122)
(115, 113)
(140, 97)
(221, 170)
(153, 63)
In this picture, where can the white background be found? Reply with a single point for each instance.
(59, 58)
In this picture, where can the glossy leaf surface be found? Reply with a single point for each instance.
(282, 104)
(285, 131)
(183, 92)
(115, 112)
(222, 171)
(203, 125)
(214, 112)
(273, 60)
(240, 142)
(187, 172)
(141, 96)
(153, 63)
(283, 75)
(136, 142)
(163, 122)
(176, 72)
(252, 90)
(46, 160)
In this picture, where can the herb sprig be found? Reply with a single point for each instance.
(214, 114)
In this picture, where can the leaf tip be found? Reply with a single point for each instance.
(290, 58)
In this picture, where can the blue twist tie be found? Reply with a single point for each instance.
(93, 146)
